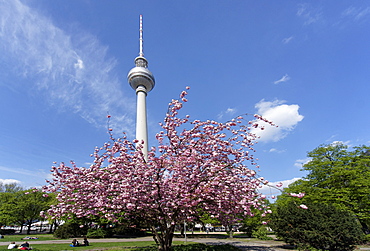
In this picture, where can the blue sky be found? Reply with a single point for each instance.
(304, 65)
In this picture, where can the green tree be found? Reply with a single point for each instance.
(10, 187)
(321, 226)
(336, 176)
(253, 224)
(24, 207)
(7, 192)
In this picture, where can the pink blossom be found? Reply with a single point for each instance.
(303, 206)
(299, 195)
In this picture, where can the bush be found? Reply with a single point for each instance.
(321, 226)
(252, 224)
(70, 230)
(129, 231)
(99, 233)
(7, 231)
(367, 238)
(261, 233)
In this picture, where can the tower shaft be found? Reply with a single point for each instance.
(141, 120)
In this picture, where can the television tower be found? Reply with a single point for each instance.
(142, 81)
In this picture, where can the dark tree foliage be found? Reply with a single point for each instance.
(321, 226)
(336, 176)
(70, 230)
(252, 224)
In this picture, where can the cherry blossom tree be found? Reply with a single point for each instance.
(196, 165)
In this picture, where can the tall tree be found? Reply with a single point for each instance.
(7, 192)
(336, 176)
(198, 165)
(24, 207)
(10, 187)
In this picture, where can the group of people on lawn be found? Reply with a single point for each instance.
(75, 243)
(26, 246)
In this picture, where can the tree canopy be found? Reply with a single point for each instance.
(197, 165)
(336, 176)
(22, 207)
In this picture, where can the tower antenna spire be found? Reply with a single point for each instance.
(141, 53)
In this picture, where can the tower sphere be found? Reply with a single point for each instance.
(140, 75)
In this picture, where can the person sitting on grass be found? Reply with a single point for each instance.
(75, 243)
(25, 246)
(12, 245)
(86, 242)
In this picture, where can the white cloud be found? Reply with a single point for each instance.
(271, 189)
(286, 117)
(73, 72)
(9, 181)
(79, 64)
(274, 150)
(338, 142)
(309, 14)
(300, 162)
(229, 111)
(23, 172)
(287, 39)
(356, 13)
(283, 79)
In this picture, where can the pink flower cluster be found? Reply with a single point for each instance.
(299, 195)
(303, 206)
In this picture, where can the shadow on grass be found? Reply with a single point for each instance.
(214, 246)
(214, 236)
(194, 247)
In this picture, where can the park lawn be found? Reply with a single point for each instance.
(18, 237)
(104, 245)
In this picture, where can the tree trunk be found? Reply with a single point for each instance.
(231, 231)
(163, 237)
(51, 228)
(20, 231)
(29, 228)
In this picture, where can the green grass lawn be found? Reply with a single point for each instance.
(133, 246)
(97, 245)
